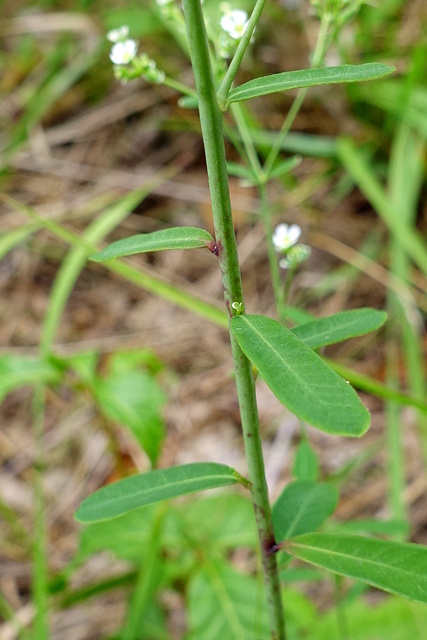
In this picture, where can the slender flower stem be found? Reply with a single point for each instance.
(316, 61)
(225, 87)
(276, 280)
(212, 130)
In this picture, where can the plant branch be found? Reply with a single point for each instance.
(233, 68)
(212, 131)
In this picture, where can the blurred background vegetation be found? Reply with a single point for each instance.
(105, 368)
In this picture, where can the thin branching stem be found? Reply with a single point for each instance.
(212, 131)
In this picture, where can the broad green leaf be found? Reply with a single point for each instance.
(302, 507)
(147, 488)
(225, 604)
(125, 536)
(299, 378)
(399, 568)
(175, 238)
(308, 78)
(221, 522)
(134, 399)
(17, 371)
(340, 326)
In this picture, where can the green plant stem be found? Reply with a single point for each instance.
(40, 561)
(316, 61)
(212, 131)
(224, 89)
(272, 256)
(180, 87)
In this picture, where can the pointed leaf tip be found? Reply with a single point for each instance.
(174, 238)
(147, 488)
(308, 78)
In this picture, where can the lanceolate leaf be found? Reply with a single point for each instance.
(147, 488)
(299, 378)
(175, 238)
(400, 568)
(308, 78)
(302, 507)
(340, 326)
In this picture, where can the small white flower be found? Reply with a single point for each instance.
(118, 35)
(234, 23)
(286, 236)
(163, 3)
(123, 52)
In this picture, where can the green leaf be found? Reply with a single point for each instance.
(226, 604)
(340, 326)
(125, 536)
(134, 399)
(299, 378)
(306, 462)
(175, 238)
(147, 488)
(399, 568)
(17, 371)
(221, 522)
(308, 78)
(302, 507)
(389, 619)
(285, 166)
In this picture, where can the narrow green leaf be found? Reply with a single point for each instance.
(299, 378)
(147, 488)
(175, 238)
(302, 507)
(399, 568)
(308, 78)
(339, 327)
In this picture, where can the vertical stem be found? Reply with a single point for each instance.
(40, 570)
(276, 280)
(212, 131)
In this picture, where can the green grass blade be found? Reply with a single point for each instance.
(308, 78)
(76, 260)
(364, 383)
(147, 488)
(299, 378)
(399, 568)
(150, 282)
(339, 327)
(175, 238)
(364, 176)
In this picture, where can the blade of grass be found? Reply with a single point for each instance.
(150, 282)
(364, 176)
(44, 96)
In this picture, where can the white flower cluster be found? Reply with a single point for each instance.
(285, 239)
(127, 65)
(124, 48)
(233, 24)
